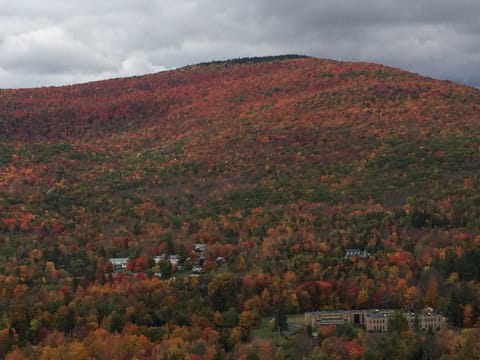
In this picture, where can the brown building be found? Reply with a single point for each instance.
(322, 318)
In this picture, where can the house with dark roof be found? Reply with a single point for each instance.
(363, 254)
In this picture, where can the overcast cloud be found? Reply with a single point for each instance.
(58, 42)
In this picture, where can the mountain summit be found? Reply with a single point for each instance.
(274, 89)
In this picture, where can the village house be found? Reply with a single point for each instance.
(197, 270)
(174, 259)
(119, 263)
(363, 254)
(200, 248)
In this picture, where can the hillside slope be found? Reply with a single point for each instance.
(293, 129)
(278, 164)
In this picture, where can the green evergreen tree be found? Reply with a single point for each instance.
(397, 322)
(281, 317)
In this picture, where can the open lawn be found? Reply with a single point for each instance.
(264, 331)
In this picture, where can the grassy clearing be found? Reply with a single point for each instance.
(264, 331)
(296, 319)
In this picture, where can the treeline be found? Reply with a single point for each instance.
(254, 59)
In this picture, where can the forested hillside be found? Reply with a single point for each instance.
(278, 165)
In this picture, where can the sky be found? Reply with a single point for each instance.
(60, 42)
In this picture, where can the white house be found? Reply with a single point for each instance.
(119, 263)
(197, 270)
(199, 247)
(174, 259)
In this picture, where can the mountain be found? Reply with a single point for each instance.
(278, 164)
(289, 129)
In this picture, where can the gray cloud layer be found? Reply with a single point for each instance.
(65, 41)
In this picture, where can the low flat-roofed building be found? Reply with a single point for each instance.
(322, 318)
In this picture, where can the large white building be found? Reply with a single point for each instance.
(376, 320)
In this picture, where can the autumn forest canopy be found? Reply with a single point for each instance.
(233, 189)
